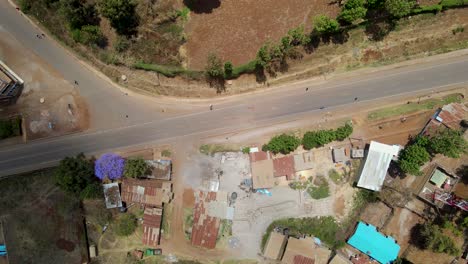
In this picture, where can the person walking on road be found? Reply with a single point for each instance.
(211, 107)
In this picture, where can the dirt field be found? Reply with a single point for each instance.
(42, 224)
(400, 225)
(376, 214)
(62, 112)
(238, 28)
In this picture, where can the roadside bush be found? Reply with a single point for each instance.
(446, 4)
(326, 25)
(167, 71)
(74, 174)
(427, 9)
(88, 35)
(249, 67)
(352, 11)
(78, 14)
(214, 67)
(228, 69)
(263, 56)
(246, 150)
(25, 5)
(10, 128)
(136, 167)
(343, 132)
(125, 225)
(283, 143)
(296, 37)
(399, 8)
(315, 139)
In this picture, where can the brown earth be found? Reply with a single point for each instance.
(238, 28)
(400, 225)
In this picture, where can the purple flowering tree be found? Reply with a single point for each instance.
(109, 166)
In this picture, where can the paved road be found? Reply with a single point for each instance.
(148, 125)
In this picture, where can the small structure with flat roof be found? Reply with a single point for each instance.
(449, 116)
(262, 174)
(305, 250)
(152, 218)
(11, 85)
(161, 169)
(274, 248)
(376, 165)
(112, 195)
(357, 153)
(303, 161)
(378, 246)
(339, 155)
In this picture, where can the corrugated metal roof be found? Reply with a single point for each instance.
(262, 174)
(205, 228)
(299, 259)
(377, 162)
(305, 247)
(284, 166)
(152, 226)
(274, 247)
(259, 156)
(148, 192)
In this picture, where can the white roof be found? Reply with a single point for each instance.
(376, 166)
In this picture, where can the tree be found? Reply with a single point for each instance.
(412, 158)
(121, 14)
(136, 167)
(298, 37)
(283, 143)
(88, 35)
(343, 132)
(352, 11)
(449, 143)
(228, 67)
(315, 139)
(74, 174)
(433, 238)
(110, 166)
(77, 13)
(125, 225)
(326, 25)
(399, 8)
(263, 56)
(214, 67)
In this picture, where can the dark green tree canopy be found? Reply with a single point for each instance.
(136, 167)
(399, 8)
(449, 143)
(78, 14)
(74, 174)
(353, 10)
(121, 14)
(326, 25)
(283, 143)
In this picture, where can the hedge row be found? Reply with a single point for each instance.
(168, 71)
(443, 5)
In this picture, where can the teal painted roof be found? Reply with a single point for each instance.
(369, 241)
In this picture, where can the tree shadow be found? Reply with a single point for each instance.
(202, 6)
(462, 172)
(313, 44)
(416, 238)
(379, 30)
(217, 83)
(395, 171)
(260, 76)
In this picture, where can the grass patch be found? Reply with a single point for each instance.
(334, 176)
(166, 225)
(414, 107)
(188, 221)
(211, 149)
(225, 229)
(168, 71)
(321, 190)
(10, 128)
(183, 13)
(325, 228)
(166, 153)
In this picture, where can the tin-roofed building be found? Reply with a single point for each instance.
(262, 174)
(146, 192)
(305, 250)
(112, 195)
(152, 218)
(303, 161)
(204, 228)
(274, 248)
(376, 165)
(284, 166)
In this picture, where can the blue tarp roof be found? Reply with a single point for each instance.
(369, 241)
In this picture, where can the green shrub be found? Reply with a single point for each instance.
(412, 158)
(125, 225)
(246, 150)
(446, 4)
(249, 67)
(167, 71)
(25, 5)
(334, 176)
(214, 68)
(10, 128)
(315, 139)
(122, 44)
(343, 132)
(320, 191)
(263, 55)
(458, 29)
(326, 25)
(91, 35)
(136, 167)
(283, 143)
(228, 67)
(92, 191)
(449, 143)
(427, 9)
(166, 153)
(352, 11)
(296, 37)
(399, 8)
